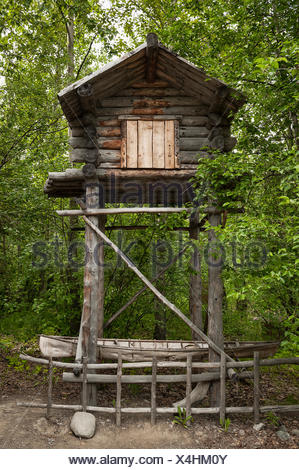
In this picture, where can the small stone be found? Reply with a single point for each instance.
(242, 432)
(295, 432)
(282, 435)
(258, 427)
(283, 428)
(83, 424)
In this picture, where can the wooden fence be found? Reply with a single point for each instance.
(220, 372)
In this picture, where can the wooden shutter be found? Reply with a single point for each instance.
(149, 144)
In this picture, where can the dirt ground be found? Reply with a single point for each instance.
(27, 428)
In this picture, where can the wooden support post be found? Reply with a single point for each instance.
(118, 390)
(50, 387)
(154, 391)
(256, 391)
(188, 385)
(101, 287)
(195, 303)
(90, 314)
(222, 388)
(215, 297)
(84, 384)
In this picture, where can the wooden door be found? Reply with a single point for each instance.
(149, 144)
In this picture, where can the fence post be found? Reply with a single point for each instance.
(118, 390)
(222, 408)
(84, 384)
(153, 391)
(50, 387)
(188, 385)
(256, 390)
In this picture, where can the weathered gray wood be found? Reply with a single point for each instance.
(188, 384)
(118, 390)
(154, 392)
(84, 155)
(50, 387)
(194, 131)
(149, 91)
(150, 117)
(195, 286)
(123, 210)
(84, 384)
(151, 57)
(109, 156)
(82, 143)
(215, 296)
(108, 131)
(158, 294)
(193, 143)
(143, 289)
(222, 388)
(198, 393)
(150, 101)
(256, 390)
(90, 313)
(192, 156)
(170, 410)
(144, 379)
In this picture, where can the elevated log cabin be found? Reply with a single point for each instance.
(143, 119)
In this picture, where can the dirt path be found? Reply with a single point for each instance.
(27, 428)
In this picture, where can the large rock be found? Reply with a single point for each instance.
(283, 435)
(83, 424)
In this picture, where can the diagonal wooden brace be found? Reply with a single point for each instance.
(155, 291)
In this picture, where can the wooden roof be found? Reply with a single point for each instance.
(149, 61)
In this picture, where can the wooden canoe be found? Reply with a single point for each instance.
(143, 350)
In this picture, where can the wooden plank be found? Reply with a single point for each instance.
(256, 391)
(118, 390)
(158, 144)
(222, 388)
(124, 210)
(188, 385)
(145, 144)
(123, 149)
(154, 392)
(50, 387)
(149, 117)
(169, 144)
(132, 144)
(149, 91)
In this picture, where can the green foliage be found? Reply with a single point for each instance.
(250, 45)
(182, 419)
(225, 424)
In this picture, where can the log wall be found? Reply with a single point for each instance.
(97, 138)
